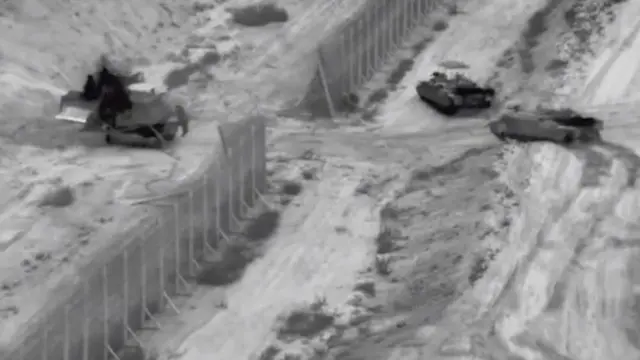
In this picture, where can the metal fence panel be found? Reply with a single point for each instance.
(358, 49)
(126, 290)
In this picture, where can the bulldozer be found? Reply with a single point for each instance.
(127, 109)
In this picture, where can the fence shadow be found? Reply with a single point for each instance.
(116, 296)
(357, 50)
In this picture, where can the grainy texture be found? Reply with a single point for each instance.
(40, 154)
(466, 248)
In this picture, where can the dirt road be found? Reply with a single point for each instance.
(561, 288)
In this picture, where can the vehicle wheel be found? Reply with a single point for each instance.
(107, 139)
(568, 139)
(450, 108)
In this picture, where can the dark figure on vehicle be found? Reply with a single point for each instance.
(111, 91)
(91, 91)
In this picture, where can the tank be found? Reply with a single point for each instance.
(448, 94)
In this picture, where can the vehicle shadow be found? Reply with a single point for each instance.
(464, 113)
(53, 135)
(467, 113)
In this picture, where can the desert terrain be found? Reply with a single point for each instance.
(64, 185)
(390, 233)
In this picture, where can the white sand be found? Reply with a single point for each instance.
(47, 48)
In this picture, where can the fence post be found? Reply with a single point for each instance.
(240, 180)
(177, 238)
(408, 25)
(219, 196)
(398, 25)
(126, 287)
(231, 163)
(374, 34)
(193, 265)
(379, 32)
(207, 247)
(45, 343)
(161, 280)
(146, 313)
(231, 215)
(258, 164)
(206, 224)
(343, 72)
(325, 85)
(164, 296)
(367, 45)
(86, 321)
(356, 49)
(143, 284)
(125, 295)
(108, 351)
(254, 162)
(244, 207)
(263, 159)
(353, 67)
(389, 29)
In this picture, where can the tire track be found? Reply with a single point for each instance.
(598, 160)
(592, 86)
(596, 163)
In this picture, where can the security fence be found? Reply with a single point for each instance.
(129, 288)
(360, 48)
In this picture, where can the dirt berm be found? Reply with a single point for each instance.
(564, 284)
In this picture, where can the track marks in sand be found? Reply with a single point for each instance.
(307, 256)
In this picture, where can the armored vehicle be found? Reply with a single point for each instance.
(448, 94)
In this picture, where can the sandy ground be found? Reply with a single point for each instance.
(563, 283)
(417, 237)
(94, 185)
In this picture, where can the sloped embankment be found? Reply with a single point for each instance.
(560, 288)
(568, 271)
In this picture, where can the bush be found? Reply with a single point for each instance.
(259, 15)
(440, 25)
